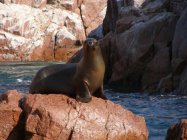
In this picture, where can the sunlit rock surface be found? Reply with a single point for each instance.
(53, 31)
(60, 117)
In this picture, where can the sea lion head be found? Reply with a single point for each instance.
(91, 45)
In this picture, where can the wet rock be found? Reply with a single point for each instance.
(60, 117)
(10, 114)
(183, 82)
(166, 84)
(178, 131)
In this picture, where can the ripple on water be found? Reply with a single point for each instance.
(160, 111)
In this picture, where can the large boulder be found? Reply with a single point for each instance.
(178, 131)
(10, 114)
(60, 117)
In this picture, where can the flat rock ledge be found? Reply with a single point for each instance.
(58, 117)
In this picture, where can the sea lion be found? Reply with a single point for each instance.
(80, 80)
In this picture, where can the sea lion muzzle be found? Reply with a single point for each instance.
(90, 42)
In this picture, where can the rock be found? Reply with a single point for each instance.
(111, 17)
(71, 5)
(76, 57)
(156, 69)
(10, 114)
(60, 117)
(143, 53)
(178, 131)
(166, 84)
(179, 41)
(52, 33)
(135, 3)
(33, 3)
(29, 34)
(179, 54)
(183, 82)
(156, 6)
(96, 33)
(177, 6)
(92, 13)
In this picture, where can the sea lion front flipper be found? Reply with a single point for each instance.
(83, 93)
(100, 93)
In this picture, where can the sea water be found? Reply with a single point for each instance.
(160, 111)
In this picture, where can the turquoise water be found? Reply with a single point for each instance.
(160, 111)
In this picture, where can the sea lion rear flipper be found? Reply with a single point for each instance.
(83, 93)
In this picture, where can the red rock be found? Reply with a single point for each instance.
(178, 131)
(30, 34)
(33, 34)
(65, 53)
(10, 114)
(92, 13)
(46, 51)
(60, 117)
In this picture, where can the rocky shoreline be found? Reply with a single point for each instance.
(58, 117)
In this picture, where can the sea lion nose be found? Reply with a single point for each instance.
(90, 43)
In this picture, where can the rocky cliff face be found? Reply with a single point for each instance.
(58, 117)
(145, 45)
(46, 30)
